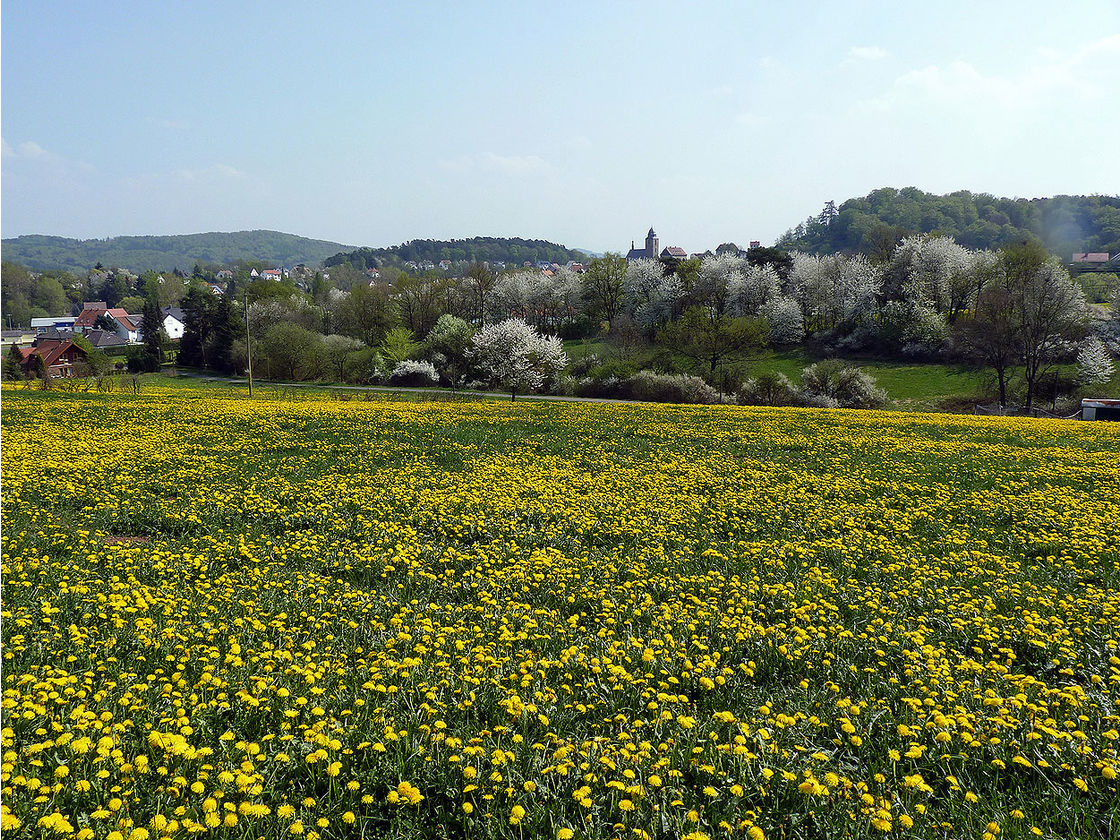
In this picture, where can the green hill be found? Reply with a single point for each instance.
(1065, 224)
(482, 248)
(164, 253)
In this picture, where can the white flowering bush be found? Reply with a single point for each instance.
(415, 374)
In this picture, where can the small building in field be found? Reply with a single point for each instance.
(1095, 409)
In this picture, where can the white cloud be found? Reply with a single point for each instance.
(866, 54)
(1046, 77)
(27, 150)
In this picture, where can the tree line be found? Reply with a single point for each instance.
(874, 223)
(1015, 311)
(488, 249)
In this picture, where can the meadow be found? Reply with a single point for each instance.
(309, 618)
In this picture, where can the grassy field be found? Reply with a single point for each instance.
(300, 617)
(917, 386)
(910, 386)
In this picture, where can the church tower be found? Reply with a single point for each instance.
(651, 245)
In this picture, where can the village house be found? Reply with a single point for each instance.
(174, 322)
(125, 325)
(18, 337)
(59, 357)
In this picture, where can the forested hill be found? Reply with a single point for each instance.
(1065, 224)
(165, 253)
(481, 248)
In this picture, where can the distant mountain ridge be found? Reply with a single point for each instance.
(872, 224)
(165, 253)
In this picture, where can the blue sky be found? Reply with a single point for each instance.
(583, 123)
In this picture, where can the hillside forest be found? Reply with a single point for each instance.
(873, 224)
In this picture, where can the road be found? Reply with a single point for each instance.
(389, 389)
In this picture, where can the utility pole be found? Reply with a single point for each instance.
(248, 346)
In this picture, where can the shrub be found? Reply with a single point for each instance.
(835, 383)
(414, 374)
(141, 361)
(670, 388)
(364, 366)
(770, 388)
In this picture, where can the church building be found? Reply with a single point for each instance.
(650, 252)
(647, 253)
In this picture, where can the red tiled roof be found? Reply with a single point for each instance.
(51, 351)
(88, 316)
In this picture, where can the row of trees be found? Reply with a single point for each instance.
(489, 249)
(1015, 309)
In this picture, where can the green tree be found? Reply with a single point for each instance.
(367, 314)
(711, 338)
(13, 363)
(337, 349)
(603, 286)
(154, 335)
(289, 350)
(399, 344)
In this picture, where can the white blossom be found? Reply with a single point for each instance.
(1094, 363)
(512, 354)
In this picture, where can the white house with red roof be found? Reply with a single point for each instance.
(125, 325)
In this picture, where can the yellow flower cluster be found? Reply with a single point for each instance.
(331, 619)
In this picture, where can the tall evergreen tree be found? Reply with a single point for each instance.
(197, 308)
(223, 332)
(153, 329)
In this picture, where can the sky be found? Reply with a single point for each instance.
(582, 123)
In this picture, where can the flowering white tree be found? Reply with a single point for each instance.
(833, 289)
(513, 355)
(752, 288)
(650, 293)
(783, 314)
(510, 295)
(929, 268)
(717, 275)
(1094, 364)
